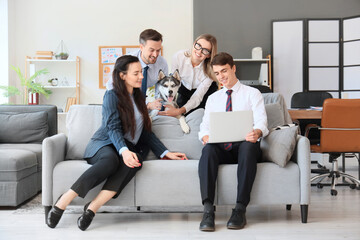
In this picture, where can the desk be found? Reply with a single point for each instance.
(296, 114)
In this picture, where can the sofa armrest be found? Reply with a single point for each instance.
(54, 150)
(302, 157)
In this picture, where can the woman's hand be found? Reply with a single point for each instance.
(176, 156)
(172, 111)
(130, 159)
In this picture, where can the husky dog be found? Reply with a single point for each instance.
(167, 88)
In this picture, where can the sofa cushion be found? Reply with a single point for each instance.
(275, 115)
(168, 130)
(82, 121)
(23, 127)
(16, 164)
(279, 145)
(33, 147)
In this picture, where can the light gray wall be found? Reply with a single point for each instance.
(240, 25)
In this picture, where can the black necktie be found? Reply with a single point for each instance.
(144, 81)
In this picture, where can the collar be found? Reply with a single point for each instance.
(235, 88)
(143, 64)
(188, 62)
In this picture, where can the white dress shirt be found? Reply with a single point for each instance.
(191, 78)
(242, 98)
(152, 72)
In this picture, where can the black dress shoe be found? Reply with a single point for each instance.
(54, 215)
(85, 219)
(237, 219)
(208, 222)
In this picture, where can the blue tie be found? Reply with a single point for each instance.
(144, 81)
(228, 146)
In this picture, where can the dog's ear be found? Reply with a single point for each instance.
(176, 75)
(161, 75)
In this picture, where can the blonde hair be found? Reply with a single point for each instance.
(207, 62)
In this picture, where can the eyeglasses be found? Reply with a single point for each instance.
(204, 51)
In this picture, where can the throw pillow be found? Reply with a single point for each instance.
(279, 145)
(275, 115)
(23, 127)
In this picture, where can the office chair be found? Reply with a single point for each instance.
(339, 133)
(307, 100)
(306, 126)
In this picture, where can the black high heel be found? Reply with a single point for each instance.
(86, 218)
(54, 215)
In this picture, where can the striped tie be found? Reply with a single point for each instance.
(228, 146)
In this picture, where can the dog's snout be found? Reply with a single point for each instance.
(170, 91)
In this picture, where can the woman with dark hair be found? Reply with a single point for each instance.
(118, 147)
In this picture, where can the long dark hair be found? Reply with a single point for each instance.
(125, 105)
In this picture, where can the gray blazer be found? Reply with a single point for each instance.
(110, 132)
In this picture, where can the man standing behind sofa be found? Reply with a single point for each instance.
(151, 62)
(233, 97)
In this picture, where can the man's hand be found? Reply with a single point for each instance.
(254, 135)
(154, 105)
(176, 156)
(172, 111)
(205, 139)
(130, 159)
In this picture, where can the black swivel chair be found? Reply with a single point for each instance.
(307, 100)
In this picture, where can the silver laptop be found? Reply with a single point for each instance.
(230, 126)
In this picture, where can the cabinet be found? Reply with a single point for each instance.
(67, 73)
(254, 71)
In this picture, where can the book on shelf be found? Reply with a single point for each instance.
(43, 57)
(70, 101)
(50, 53)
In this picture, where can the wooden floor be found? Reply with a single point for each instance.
(330, 218)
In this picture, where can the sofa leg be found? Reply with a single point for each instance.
(47, 210)
(304, 213)
(288, 207)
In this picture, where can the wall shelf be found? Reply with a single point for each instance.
(68, 74)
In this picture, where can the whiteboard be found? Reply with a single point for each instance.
(324, 31)
(323, 78)
(324, 54)
(288, 58)
(351, 29)
(351, 78)
(351, 53)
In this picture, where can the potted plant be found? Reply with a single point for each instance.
(62, 56)
(62, 52)
(32, 89)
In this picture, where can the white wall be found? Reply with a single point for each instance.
(86, 24)
(4, 48)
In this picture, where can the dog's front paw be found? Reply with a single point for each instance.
(186, 129)
(184, 126)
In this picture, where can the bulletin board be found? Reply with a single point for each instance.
(107, 59)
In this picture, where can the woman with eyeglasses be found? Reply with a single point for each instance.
(197, 78)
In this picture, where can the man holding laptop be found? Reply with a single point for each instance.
(224, 147)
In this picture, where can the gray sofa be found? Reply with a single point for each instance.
(168, 183)
(22, 130)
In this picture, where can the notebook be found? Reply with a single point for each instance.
(230, 126)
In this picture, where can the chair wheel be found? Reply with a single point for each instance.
(333, 192)
(353, 186)
(319, 185)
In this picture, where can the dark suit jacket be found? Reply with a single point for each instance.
(110, 132)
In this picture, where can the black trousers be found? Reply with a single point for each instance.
(245, 154)
(107, 165)
(185, 94)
